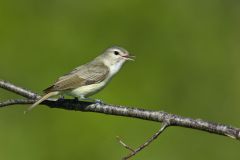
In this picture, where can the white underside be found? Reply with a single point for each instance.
(86, 91)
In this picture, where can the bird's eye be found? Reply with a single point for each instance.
(116, 52)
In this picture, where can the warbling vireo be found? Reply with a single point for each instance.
(89, 78)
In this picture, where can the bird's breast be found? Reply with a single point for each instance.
(88, 90)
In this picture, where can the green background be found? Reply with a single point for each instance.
(187, 63)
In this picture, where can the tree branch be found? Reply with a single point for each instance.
(151, 115)
(147, 143)
(16, 101)
(18, 90)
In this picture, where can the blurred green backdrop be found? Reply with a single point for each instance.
(187, 63)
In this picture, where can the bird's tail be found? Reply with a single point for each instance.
(50, 94)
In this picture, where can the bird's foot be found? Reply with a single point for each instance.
(61, 98)
(75, 99)
(98, 101)
(91, 100)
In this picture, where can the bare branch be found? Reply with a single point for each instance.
(18, 90)
(158, 116)
(16, 101)
(147, 143)
(124, 144)
(167, 119)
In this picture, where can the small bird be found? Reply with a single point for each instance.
(89, 78)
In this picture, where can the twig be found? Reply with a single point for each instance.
(147, 143)
(158, 116)
(124, 144)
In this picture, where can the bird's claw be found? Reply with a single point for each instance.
(75, 99)
(98, 101)
(61, 98)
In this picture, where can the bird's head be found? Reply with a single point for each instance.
(116, 55)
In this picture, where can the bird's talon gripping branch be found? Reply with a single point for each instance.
(76, 99)
(99, 101)
(61, 98)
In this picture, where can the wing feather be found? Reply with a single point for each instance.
(80, 76)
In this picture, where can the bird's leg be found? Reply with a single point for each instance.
(61, 98)
(98, 101)
(76, 99)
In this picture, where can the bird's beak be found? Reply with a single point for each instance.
(128, 57)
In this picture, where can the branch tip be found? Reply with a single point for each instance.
(124, 144)
(145, 144)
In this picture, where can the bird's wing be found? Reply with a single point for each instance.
(81, 76)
